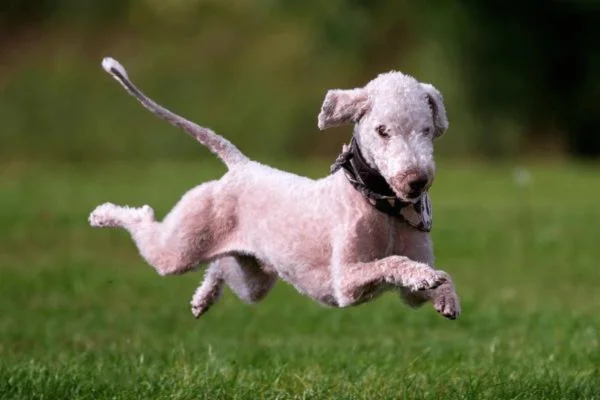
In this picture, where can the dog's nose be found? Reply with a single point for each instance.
(417, 185)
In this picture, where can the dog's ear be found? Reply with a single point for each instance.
(436, 102)
(343, 107)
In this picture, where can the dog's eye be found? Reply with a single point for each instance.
(382, 131)
(427, 131)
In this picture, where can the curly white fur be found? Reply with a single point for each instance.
(257, 224)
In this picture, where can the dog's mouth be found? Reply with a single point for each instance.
(410, 190)
(410, 197)
(414, 196)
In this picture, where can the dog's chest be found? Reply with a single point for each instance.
(374, 237)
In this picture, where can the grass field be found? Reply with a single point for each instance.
(82, 317)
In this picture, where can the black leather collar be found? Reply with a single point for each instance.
(373, 186)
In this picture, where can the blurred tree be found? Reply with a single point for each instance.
(516, 75)
(535, 61)
(15, 14)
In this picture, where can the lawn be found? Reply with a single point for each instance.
(82, 316)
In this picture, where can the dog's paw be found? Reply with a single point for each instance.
(198, 309)
(424, 278)
(111, 215)
(446, 303)
(206, 296)
(104, 216)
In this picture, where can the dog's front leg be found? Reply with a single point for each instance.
(358, 282)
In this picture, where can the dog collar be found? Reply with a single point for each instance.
(372, 185)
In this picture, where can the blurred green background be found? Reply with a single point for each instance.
(520, 79)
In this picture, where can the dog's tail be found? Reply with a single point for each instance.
(220, 146)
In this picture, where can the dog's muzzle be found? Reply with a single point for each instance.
(411, 186)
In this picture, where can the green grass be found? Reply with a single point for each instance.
(82, 317)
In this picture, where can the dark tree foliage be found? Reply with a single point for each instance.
(15, 14)
(538, 61)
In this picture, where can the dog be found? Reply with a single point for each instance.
(341, 240)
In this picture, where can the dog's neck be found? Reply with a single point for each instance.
(369, 182)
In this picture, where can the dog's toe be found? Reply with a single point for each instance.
(448, 305)
(430, 279)
(198, 309)
(438, 279)
(102, 216)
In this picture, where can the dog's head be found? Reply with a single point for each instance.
(396, 120)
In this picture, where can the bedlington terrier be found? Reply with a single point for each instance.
(341, 240)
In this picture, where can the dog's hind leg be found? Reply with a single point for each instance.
(242, 274)
(209, 291)
(190, 234)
